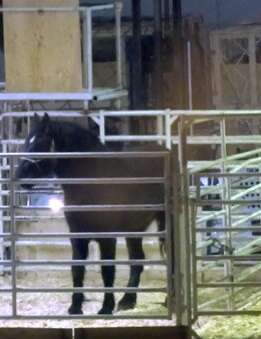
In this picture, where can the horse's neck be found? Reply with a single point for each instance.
(73, 139)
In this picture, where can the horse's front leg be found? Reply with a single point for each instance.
(107, 248)
(80, 252)
(135, 250)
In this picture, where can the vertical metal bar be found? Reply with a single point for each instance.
(88, 49)
(1, 201)
(168, 237)
(190, 91)
(166, 17)
(184, 224)
(28, 124)
(176, 238)
(177, 14)
(194, 261)
(84, 50)
(217, 80)
(158, 80)
(160, 129)
(189, 75)
(137, 88)
(168, 128)
(102, 127)
(13, 235)
(118, 10)
(252, 70)
(227, 217)
(119, 48)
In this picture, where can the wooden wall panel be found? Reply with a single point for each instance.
(42, 50)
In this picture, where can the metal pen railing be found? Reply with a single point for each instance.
(238, 256)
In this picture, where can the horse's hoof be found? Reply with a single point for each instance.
(126, 304)
(105, 310)
(75, 310)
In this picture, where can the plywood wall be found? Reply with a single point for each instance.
(42, 50)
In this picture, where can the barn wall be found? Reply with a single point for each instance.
(42, 50)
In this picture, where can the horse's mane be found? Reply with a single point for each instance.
(71, 137)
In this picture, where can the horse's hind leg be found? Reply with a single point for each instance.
(107, 248)
(135, 250)
(79, 252)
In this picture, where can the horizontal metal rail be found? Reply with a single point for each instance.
(87, 289)
(95, 208)
(40, 9)
(30, 114)
(233, 284)
(227, 202)
(81, 155)
(84, 235)
(228, 175)
(92, 94)
(219, 258)
(191, 114)
(82, 262)
(48, 96)
(115, 316)
(228, 229)
(93, 181)
(231, 312)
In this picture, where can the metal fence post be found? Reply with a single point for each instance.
(13, 235)
(184, 227)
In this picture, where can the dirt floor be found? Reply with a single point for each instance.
(57, 303)
(231, 327)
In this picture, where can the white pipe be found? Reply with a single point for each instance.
(55, 9)
(45, 96)
(88, 23)
(189, 76)
(118, 10)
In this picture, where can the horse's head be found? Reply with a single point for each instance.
(40, 139)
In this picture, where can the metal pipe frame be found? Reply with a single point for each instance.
(236, 257)
(87, 289)
(84, 235)
(85, 317)
(54, 9)
(16, 263)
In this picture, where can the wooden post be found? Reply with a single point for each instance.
(42, 49)
(158, 79)
(136, 64)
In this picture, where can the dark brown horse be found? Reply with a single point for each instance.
(47, 135)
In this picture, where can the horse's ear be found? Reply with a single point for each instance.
(46, 123)
(46, 118)
(36, 119)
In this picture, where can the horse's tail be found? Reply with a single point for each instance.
(161, 227)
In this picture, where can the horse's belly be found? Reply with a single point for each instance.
(109, 221)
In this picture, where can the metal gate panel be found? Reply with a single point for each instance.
(13, 236)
